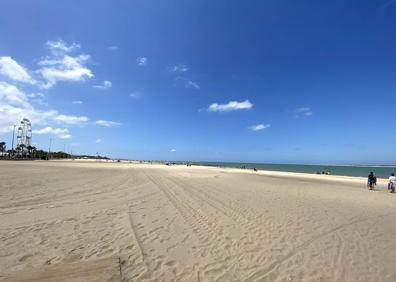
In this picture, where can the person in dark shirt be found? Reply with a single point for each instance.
(391, 183)
(371, 181)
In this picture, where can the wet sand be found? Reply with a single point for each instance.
(91, 221)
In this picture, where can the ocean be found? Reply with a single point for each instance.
(362, 171)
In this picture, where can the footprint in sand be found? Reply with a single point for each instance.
(25, 257)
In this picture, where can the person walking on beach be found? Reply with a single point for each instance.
(371, 181)
(391, 183)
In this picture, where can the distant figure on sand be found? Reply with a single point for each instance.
(371, 181)
(391, 183)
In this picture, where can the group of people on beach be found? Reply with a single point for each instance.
(372, 181)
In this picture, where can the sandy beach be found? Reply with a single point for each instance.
(92, 221)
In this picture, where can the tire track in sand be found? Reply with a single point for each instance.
(208, 234)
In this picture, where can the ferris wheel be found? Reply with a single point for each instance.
(25, 133)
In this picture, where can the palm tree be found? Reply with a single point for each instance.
(30, 149)
(20, 149)
(2, 147)
(32, 152)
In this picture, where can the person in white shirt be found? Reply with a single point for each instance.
(392, 183)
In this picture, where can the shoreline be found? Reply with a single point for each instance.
(271, 173)
(300, 175)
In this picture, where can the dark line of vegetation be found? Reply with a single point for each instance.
(31, 152)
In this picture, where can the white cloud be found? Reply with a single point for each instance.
(172, 150)
(230, 106)
(37, 98)
(141, 61)
(192, 84)
(259, 127)
(61, 47)
(98, 140)
(178, 68)
(77, 102)
(40, 102)
(70, 120)
(303, 111)
(13, 114)
(59, 132)
(61, 66)
(14, 105)
(14, 71)
(35, 95)
(64, 68)
(134, 94)
(113, 48)
(106, 84)
(11, 95)
(107, 123)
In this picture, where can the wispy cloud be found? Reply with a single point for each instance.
(37, 98)
(65, 69)
(35, 95)
(230, 106)
(107, 123)
(61, 47)
(106, 84)
(186, 82)
(172, 150)
(77, 102)
(113, 48)
(40, 102)
(192, 84)
(14, 71)
(98, 140)
(59, 132)
(178, 68)
(61, 66)
(134, 94)
(141, 61)
(259, 127)
(303, 112)
(71, 120)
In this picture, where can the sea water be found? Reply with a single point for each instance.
(362, 171)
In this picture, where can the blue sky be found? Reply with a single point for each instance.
(256, 81)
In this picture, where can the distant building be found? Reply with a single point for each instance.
(4, 154)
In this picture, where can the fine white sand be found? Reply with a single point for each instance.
(93, 221)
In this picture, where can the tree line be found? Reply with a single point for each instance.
(29, 152)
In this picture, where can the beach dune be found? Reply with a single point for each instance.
(93, 221)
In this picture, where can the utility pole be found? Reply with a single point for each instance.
(49, 148)
(13, 134)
